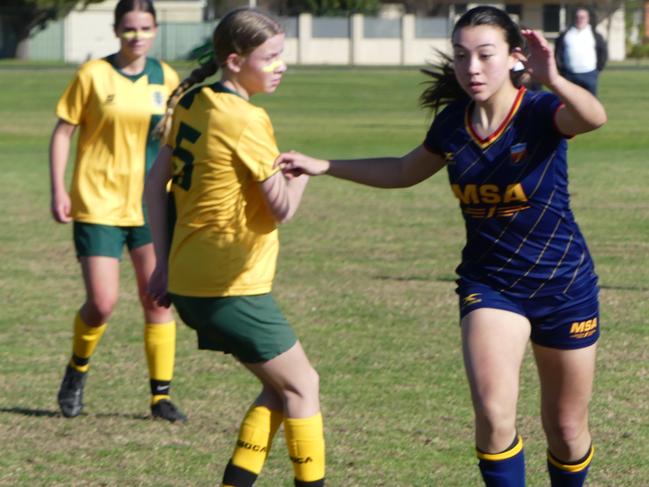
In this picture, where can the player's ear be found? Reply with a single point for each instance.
(234, 62)
(517, 59)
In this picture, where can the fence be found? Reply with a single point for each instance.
(357, 40)
(353, 40)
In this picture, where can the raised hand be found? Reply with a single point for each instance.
(540, 61)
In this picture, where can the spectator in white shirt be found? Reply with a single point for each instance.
(581, 52)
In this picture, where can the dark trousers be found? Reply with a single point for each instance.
(585, 80)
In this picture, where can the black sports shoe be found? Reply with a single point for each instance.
(166, 409)
(71, 392)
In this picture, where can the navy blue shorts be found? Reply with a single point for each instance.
(564, 321)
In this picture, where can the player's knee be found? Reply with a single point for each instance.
(306, 387)
(495, 419)
(98, 310)
(568, 429)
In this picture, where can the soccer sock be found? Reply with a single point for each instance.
(160, 348)
(505, 469)
(306, 448)
(573, 474)
(255, 439)
(84, 343)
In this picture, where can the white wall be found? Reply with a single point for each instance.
(89, 34)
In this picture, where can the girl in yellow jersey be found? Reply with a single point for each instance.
(220, 262)
(115, 102)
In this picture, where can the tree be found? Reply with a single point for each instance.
(23, 18)
(216, 8)
(332, 7)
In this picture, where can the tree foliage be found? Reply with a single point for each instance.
(25, 17)
(332, 7)
(217, 8)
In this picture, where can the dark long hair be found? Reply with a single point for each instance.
(125, 6)
(444, 88)
(240, 31)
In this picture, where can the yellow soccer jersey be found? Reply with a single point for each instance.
(115, 113)
(225, 238)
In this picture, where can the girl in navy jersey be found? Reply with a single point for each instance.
(526, 272)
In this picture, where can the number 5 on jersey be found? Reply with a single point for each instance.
(182, 174)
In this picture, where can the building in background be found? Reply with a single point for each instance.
(403, 33)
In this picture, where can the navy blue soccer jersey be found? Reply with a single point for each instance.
(521, 236)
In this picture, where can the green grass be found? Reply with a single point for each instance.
(366, 278)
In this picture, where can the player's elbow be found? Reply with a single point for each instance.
(284, 215)
(595, 121)
(602, 118)
(281, 209)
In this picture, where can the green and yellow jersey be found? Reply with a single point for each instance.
(225, 238)
(115, 113)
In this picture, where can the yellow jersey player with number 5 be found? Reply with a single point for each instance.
(229, 198)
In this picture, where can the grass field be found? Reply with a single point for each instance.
(366, 277)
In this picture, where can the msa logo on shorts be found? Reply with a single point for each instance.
(583, 329)
(471, 299)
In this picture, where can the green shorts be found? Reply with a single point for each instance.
(94, 240)
(252, 328)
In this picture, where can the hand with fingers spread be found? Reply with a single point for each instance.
(540, 60)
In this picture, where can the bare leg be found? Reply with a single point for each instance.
(101, 279)
(566, 387)
(294, 379)
(143, 259)
(494, 344)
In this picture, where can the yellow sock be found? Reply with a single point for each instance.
(256, 437)
(160, 348)
(84, 343)
(306, 447)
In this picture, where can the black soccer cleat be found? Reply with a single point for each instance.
(71, 392)
(166, 409)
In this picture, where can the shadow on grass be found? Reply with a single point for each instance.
(31, 412)
(416, 278)
(36, 413)
(623, 288)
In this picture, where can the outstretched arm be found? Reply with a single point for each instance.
(385, 172)
(582, 112)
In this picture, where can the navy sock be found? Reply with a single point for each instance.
(505, 469)
(571, 474)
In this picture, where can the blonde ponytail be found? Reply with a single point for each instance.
(198, 75)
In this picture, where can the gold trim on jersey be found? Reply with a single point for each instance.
(490, 139)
